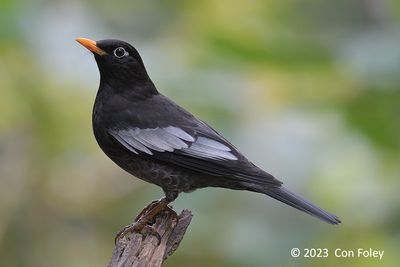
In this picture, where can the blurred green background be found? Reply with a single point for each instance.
(308, 90)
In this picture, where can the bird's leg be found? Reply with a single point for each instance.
(146, 215)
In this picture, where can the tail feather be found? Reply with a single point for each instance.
(291, 199)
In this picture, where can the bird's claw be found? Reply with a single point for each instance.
(138, 227)
(141, 223)
(145, 210)
(143, 220)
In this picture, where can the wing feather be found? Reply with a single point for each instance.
(200, 150)
(194, 151)
(170, 139)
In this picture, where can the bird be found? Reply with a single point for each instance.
(154, 139)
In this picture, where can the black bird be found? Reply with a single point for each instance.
(154, 139)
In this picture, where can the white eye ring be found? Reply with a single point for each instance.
(120, 52)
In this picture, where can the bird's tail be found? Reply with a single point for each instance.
(284, 195)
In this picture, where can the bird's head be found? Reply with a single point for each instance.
(117, 60)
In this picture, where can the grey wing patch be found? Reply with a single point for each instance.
(204, 147)
(152, 138)
(178, 132)
(122, 141)
(146, 140)
(212, 143)
(170, 139)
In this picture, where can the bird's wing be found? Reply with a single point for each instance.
(159, 129)
(172, 139)
(197, 148)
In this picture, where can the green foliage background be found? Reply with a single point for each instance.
(308, 90)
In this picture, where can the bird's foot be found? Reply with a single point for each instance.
(144, 219)
(138, 227)
(154, 203)
(146, 209)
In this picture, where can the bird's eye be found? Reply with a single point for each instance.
(120, 52)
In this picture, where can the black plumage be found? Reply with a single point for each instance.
(154, 139)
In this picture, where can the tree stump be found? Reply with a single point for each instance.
(143, 250)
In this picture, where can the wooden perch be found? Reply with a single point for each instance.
(143, 250)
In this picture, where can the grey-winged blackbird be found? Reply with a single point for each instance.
(154, 139)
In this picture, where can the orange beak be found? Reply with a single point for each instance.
(91, 45)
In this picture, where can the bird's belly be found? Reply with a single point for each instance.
(167, 177)
(170, 178)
